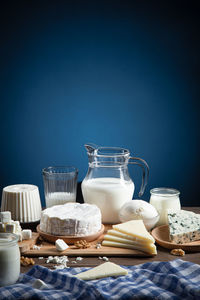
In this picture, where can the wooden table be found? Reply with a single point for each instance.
(163, 255)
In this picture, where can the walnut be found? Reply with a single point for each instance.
(177, 252)
(82, 244)
(26, 261)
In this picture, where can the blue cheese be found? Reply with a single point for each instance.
(184, 226)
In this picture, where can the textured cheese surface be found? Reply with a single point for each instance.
(136, 229)
(104, 270)
(149, 248)
(184, 226)
(73, 219)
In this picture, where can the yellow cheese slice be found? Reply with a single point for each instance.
(136, 229)
(104, 270)
(110, 237)
(150, 248)
(113, 232)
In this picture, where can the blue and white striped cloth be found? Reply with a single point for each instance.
(176, 279)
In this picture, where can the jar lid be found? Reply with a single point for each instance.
(7, 239)
(164, 192)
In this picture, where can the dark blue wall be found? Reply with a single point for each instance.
(115, 73)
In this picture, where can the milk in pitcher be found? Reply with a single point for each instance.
(109, 194)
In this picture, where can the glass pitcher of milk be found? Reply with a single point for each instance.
(107, 183)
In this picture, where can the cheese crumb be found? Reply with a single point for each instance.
(35, 247)
(105, 258)
(79, 258)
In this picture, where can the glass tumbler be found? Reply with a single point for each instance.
(60, 184)
(163, 199)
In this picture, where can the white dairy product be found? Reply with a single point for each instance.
(9, 259)
(139, 210)
(10, 228)
(23, 201)
(39, 284)
(109, 194)
(164, 201)
(61, 245)
(59, 198)
(104, 270)
(26, 234)
(5, 216)
(71, 219)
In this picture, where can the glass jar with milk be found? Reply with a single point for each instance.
(9, 259)
(107, 183)
(163, 199)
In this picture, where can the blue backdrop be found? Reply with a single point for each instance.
(115, 73)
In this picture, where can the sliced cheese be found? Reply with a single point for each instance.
(110, 237)
(149, 248)
(136, 229)
(115, 233)
(104, 270)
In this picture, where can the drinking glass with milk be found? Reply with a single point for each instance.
(163, 199)
(107, 183)
(60, 184)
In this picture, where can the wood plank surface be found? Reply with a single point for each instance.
(92, 261)
(47, 248)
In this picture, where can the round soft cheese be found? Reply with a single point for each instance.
(139, 210)
(71, 219)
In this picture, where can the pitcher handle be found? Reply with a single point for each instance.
(145, 172)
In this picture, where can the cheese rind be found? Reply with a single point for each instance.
(150, 248)
(71, 219)
(184, 226)
(104, 270)
(136, 229)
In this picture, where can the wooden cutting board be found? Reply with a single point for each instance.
(47, 249)
(26, 245)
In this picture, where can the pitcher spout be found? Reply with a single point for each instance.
(90, 147)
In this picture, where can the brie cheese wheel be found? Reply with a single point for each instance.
(71, 219)
(104, 270)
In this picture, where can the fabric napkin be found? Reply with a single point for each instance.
(176, 279)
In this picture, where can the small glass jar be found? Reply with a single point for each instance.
(163, 199)
(9, 259)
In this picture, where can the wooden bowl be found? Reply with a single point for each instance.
(69, 239)
(161, 235)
